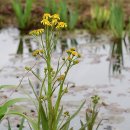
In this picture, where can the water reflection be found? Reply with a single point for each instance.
(24, 43)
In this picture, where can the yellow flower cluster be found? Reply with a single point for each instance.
(36, 32)
(53, 21)
(73, 55)
(50, 21)
(73, 52)
(36, 52)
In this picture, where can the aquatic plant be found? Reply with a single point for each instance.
(99, 18)
(92, 114)
(117, 25)
(22, 14)
(50, 114)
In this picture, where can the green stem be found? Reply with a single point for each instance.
(60, 93)
(49, 79)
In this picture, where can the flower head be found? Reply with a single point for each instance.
(66, 114)
(75, 53)
(75, 62)
(61, 25)
(46, 22)
(36, 52)
(72, 49)
(36, 32)
(95, 99)
(27, 68)
(54, 21)
(61, 77)
(46, 16)
(55, 16)
(69, 58)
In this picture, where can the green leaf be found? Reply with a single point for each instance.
(33, 122)
(43, 118)
(22, 15)
(83, 126)
(9, 126)
(59, 115)
(21, 124)
(27, 11)
(73, 19)
(66, 127)
(18, 11)
(7, 86)
(6, 105)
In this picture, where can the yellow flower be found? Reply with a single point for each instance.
(61, 25)
(61, 77)
(36, 52)
(36, 32)
(54, 21)
(46, 16)
(68, 51)
(69, 58)
(72, 49)
(55, 16)
(74, 53)
(46, 22)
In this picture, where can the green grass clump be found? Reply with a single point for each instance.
(22, 14)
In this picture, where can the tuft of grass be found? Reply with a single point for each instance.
(117, 25)
(22, 14)
(99, 18)
(117, 20)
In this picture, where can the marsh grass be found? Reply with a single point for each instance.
(117, 25)
(22, 14)
(99, 18)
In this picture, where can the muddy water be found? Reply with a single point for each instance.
(89, 77)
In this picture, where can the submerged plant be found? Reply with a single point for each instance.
(23, 15)
(50, 114)
(91, 115)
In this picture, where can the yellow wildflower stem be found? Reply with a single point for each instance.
(49, 78)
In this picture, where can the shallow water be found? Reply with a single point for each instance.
(89, 77)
